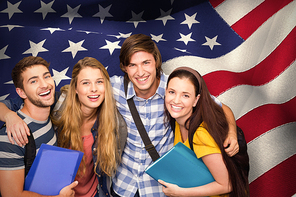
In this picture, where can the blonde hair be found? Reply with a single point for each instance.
(70, 122)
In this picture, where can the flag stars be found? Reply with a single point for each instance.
(121, 35)
(10, 27)
(59, 76)
(190, 20)
(186, 38)
(165, 16)
(45, 9)
(103, 13)
(72, 13)
(136, 19)
(157, 38)
(211, 42)
(111, 46)
(75, 47)
(2, 53)
(4, 97)
(52, 30)
(36, 48)
(12, 8)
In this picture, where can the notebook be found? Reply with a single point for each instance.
(180, 166)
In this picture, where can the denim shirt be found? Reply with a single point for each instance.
(104, 180)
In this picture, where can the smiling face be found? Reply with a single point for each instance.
(142, 73)
(38, 86)
(180, 99)
(90, 88)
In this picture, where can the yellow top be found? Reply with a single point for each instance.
(203, 143)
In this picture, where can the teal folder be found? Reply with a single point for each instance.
(180, 166)
(53, 169)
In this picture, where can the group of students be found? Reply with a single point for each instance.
(92, 115)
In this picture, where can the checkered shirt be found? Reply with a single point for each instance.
(131, 175)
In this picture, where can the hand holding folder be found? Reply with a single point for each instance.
(180, 166)
(53, 169)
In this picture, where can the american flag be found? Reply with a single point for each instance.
(245, 49)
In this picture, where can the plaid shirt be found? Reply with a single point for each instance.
(131, 175)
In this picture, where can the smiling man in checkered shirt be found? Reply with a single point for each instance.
(140, 60)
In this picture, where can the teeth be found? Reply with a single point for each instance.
(143, 79)
(177, 108)
(93, 96)
(45, 93)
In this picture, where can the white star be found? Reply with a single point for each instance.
(121, 35)
(182, 50)
(12, 8)
(211, 42)
(2, 55)
(72, 13)
(190, 20)
(4, 97)
(10, 27)
(165, 16)
(45, 8)
(88, 32)
(36, 48)
(157, 38)
(59, 76)
(52, 29)
(111, 46)
(136, 19)
(103, 13)
(186, 38)
(74, 48)
(8, 82)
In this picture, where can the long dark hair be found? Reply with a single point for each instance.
(215, 122)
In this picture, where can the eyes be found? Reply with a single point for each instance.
(34, 80)
(184, 95)
(145, 63)
(101, 81)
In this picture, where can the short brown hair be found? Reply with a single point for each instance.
(22, 65)
(136, 43)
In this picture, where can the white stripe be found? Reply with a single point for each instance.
(244, 98)
(9, 155)
(40, 132)
(270, 149)
(251, 52)
(16, 168)
(233, 10)
(4, 138)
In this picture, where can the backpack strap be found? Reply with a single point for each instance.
(30, 153)
(139, 124)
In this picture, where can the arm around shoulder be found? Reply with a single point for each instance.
(231, 143)
(15, 126)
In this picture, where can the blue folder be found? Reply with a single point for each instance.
(53, 169)
(180, 166)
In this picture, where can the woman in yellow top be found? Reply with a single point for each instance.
(201, 125)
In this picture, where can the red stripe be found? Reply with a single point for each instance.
(281, 58)
(215, 3)
(267, 117)
(279, 181)
(246, 26)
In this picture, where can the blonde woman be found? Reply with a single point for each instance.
(88, 123)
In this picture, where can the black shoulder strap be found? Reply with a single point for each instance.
(143, 133)
(30, 153)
